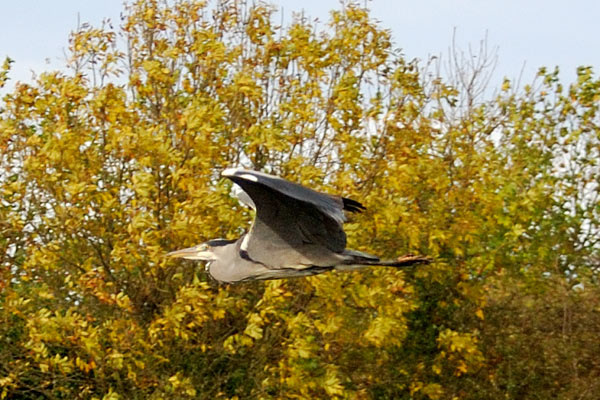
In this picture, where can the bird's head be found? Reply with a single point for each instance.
(202, 252)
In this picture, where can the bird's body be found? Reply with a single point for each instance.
(296, 232)
(230, 266)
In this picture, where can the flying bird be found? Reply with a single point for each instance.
(296, 232)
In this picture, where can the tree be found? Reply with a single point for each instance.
(108, 166)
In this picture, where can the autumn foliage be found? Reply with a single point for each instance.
(111, 163)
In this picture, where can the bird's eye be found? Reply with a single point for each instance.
(203, 247)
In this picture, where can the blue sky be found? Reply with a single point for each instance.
(534, 32)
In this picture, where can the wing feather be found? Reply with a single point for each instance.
(290, 218)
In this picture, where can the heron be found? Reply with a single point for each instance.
(296, 232)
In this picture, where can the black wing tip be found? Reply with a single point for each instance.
(352, 205)
(239, 174)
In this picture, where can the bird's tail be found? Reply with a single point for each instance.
(404, 261)
(360, 260)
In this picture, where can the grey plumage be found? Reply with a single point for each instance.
(297, 231)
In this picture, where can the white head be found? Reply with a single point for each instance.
(203, 252)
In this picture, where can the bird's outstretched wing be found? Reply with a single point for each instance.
(293, 224)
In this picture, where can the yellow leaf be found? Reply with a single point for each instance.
(479, 314)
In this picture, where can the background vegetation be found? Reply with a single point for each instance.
(107, 166)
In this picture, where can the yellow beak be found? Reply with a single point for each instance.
(191, 253)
